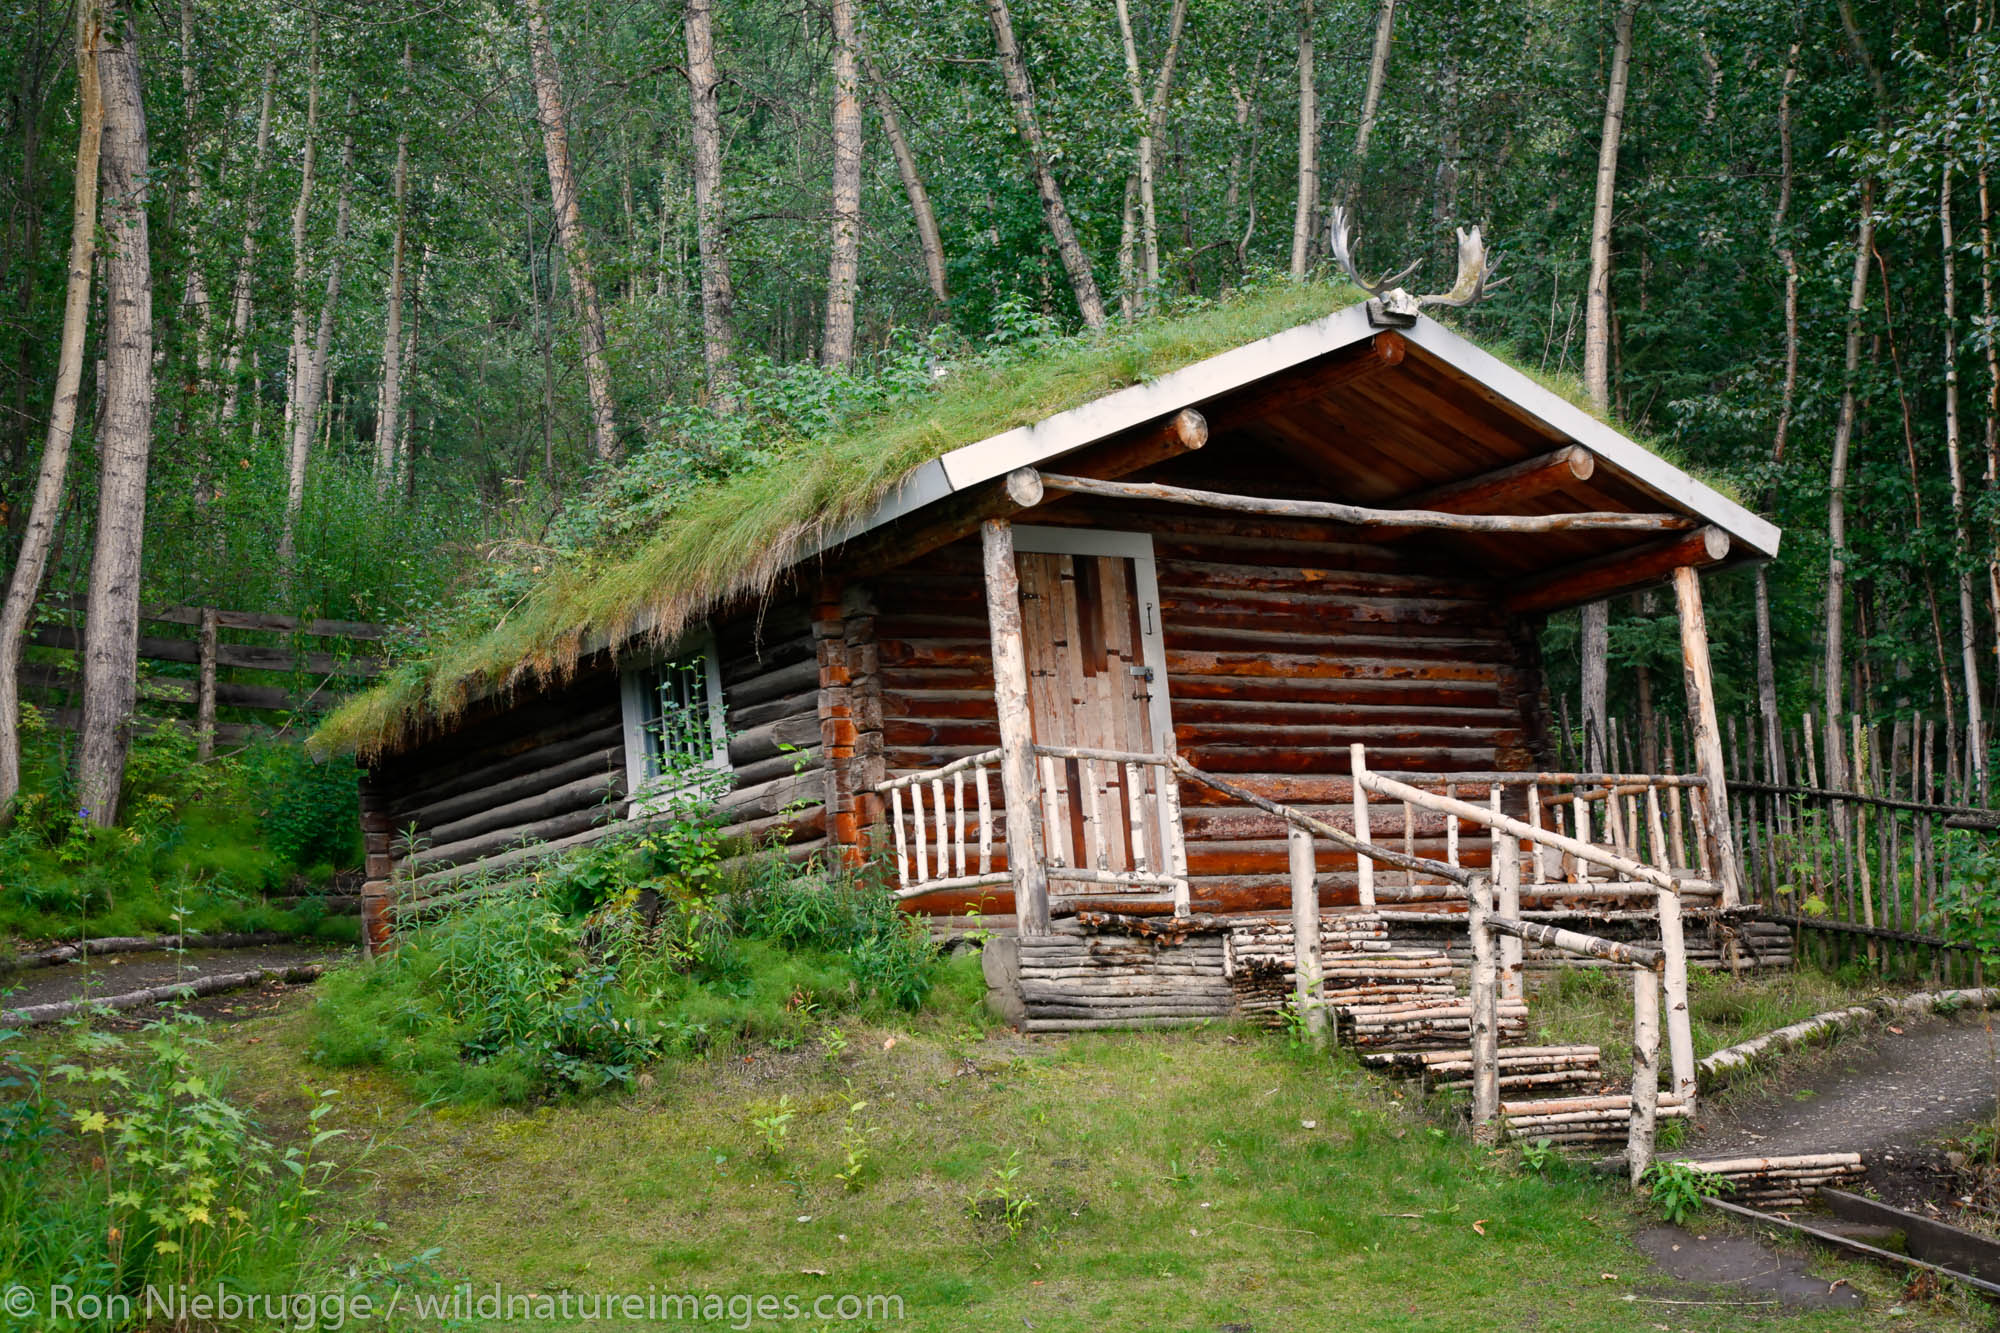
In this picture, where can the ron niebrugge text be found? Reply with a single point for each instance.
(308, 1312)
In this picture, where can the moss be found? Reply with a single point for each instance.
(736, 539)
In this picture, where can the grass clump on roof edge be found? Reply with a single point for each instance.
(737, 536)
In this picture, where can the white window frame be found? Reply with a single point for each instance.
(648, 790)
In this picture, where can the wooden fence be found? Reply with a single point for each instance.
(228, 675)
(1861, 857)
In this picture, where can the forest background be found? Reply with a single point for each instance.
(443, 295)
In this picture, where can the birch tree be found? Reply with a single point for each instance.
(301, 217)
(1308, 195)
(1968, 620)
(1021, 96)
(125, 431)
(312, 359)
(1149, 112)
(569, 226)
(929, 240)
(390, 397)
(718, 292)
(24, 584)
(241, 293)
(844, 262)
(1597, 356)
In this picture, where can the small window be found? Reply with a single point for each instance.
(674, 731)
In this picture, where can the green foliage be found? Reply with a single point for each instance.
(616, 956)
(1679, 1189)
(774, 1127)
(125, 1164)
(1542, 1156)
(1005, 1198)
(204, 840)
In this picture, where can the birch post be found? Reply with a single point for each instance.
(1017, 755)
(1507, 868)
(1306, 964)
(1645, 1071)
(1485, 1018)
(1364, 864)
(1704, 735)
(1673, 943)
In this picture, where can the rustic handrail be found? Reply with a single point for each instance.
(1577, 942)
(1320, 828)
(1584, 851)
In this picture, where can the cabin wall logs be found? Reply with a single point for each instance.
(1286, 641)
(531, 774)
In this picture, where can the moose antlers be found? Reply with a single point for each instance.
(1393, 305)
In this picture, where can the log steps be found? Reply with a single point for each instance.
(1541, 1068)
(1573, 1121)
(1079, 983)
(1782, 1182)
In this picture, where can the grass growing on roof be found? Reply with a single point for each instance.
(738, 536)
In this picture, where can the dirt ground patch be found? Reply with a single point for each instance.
(116, 974)
(1746, 1269)
(1888, 1093)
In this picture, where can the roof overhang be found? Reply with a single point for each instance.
(1234, 372)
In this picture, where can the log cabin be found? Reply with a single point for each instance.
(1185, 667)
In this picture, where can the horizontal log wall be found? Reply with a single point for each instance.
(1287, 641)
(544, 772)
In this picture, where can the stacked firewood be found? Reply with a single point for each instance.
(1577, 1120)
(1541, 1068)
(1782, 1182)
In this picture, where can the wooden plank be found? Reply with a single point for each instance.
(1617, 572)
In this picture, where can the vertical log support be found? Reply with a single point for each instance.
(1485, 1015)
(1680, 1034)
(1010, 698)
(1704, 734)
(1507, 869)
(1364, 865)
(204, 690)
(1645, 1071)
(1307, 968)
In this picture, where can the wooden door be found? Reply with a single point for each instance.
(1089, 685)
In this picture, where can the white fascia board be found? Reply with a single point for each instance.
(1031, 445)
(1627, 456)
(1024, 446)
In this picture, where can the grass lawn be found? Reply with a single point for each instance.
(1201, 1179)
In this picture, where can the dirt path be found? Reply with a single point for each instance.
(1886, 1094)
(114, 974)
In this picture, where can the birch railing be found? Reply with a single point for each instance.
(1109, 825)
(1658, 881)
(931, 836)
(1494, 924)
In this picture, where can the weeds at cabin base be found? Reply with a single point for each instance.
(628, 952)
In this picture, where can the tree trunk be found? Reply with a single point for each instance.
(569, 226)
(1597, 298)
(195, 296)
(1767, 676)
(246, 263)
(1239, 154)
(1836, 501)
(124, 436)
(407, 433)
(389, 400)
(1021, 95)
(39, 537)
(718, 296)
(1992, 392)
(1968, 620)
(928, 238)
(1371, 100)
(1148, 114)
(301, 215)
(1308, 197)
(844, 263)
(1594, 649)
(313, 361)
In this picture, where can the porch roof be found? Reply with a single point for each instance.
(1382, 431)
